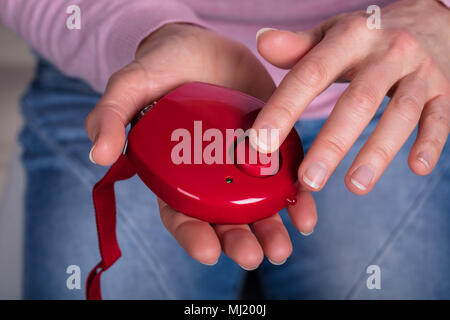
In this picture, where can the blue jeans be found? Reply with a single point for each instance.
(402, 226)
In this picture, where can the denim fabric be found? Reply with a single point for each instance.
(403, 225)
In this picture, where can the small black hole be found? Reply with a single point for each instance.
(229, 179)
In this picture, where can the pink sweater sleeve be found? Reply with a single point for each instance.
(107, 40)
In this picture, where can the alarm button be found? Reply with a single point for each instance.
(254, 163)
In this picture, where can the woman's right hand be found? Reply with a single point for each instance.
(171, 56)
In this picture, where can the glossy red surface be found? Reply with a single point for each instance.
(225, 192)
(253, 163)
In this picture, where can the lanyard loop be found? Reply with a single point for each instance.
(105, 217)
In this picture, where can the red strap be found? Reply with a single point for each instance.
(105, 217)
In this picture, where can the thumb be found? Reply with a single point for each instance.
(128, 90)
(284, 48)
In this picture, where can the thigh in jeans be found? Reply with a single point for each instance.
(60, 223)
(402, 227)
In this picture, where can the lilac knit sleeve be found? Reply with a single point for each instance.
(109, 34)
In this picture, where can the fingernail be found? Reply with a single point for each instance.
(362, 176)
(248, 269)
(261, 31)
(90, 154)
(307, 233)
(315, 174)
(424, 157)
(268, 138)
(276, 263)
(209, 264)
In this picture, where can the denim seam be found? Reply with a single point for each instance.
(88, 180)
(411, 213)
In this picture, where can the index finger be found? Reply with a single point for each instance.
(306, 80)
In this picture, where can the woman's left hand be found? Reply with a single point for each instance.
(407, 59)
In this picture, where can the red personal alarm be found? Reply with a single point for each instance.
(191, 148)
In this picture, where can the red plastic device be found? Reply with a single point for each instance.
(233, 191)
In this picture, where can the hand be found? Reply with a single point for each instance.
(173, 55)
(408, 59)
